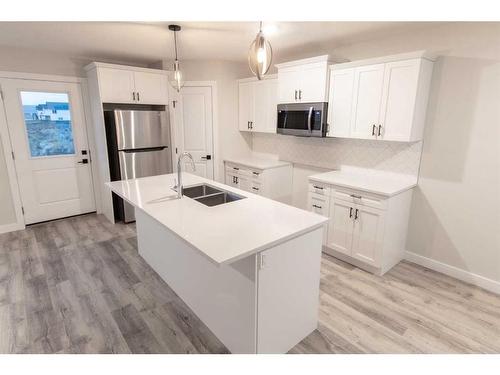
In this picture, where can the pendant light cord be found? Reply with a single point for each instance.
(175, 44)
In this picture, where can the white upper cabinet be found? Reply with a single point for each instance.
(367, 96)
(116, 85)
(303, 81)
(132, 85)
(257, 101)
(151, 88)
(383, 101)
(245, 105)
(340, 94)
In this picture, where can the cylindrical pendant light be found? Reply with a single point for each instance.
(177, 81)
(260, 55)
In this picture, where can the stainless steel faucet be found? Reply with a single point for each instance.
(179, 174)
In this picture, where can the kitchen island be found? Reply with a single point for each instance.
(248, 268)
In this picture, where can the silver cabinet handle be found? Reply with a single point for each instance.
(356, 214)
(300, 94)
(295, 94)
(254, 188)
(309, 118)
(373, 129)
(316, 206)
(133, 96)
(379, 130)
(350, 212)
(356, 196)
(138, 98)
(318, 187)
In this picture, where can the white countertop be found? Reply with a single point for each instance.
(257, 162)
(223, 233)
(371, 181)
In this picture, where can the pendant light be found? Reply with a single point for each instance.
(260, 55)
(178, 80)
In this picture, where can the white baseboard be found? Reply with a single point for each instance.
(11, 227)
(457, 273)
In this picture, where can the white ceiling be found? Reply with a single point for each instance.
(151, 42)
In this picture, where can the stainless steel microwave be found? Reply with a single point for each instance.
(302, 119)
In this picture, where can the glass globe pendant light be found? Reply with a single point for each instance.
(177, 81)
(260, 55)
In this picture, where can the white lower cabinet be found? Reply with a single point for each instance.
(365, 229)
(274, 183)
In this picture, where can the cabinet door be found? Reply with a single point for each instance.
(243, 183)
(265, 102)
(368, 84)
(151, 88)
(340, 102)
(399, 98)
(312, 86)
(231, 179)
(288, 85)
(340, 226)
(245, 105)
(368, 235)
(116, 85)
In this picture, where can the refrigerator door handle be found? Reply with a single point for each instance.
(144, 149)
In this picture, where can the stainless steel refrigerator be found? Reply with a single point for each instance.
(138, 146)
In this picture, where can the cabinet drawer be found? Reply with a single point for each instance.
(360, 198)
(232, 168)
(256, 188)
(319, 188)
(256, 174)
(319, 204)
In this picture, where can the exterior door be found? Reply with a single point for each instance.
(340, 226)
(49, 140)
(193, 117)
(368, 84)
(368, 235)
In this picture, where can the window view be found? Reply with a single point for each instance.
(48, 123)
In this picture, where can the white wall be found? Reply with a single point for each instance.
(455, 216)
(231, 141)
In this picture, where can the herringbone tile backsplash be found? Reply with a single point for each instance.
(332, 153)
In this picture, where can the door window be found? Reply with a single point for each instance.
(47, 117)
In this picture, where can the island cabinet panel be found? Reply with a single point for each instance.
(222, 296)
(288, 292)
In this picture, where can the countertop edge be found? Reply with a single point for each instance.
(362, 188)
(249, 165)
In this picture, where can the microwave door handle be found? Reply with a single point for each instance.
(309, 119)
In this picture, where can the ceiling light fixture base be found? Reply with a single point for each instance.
(174, 27)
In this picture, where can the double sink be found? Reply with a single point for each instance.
(209, 195)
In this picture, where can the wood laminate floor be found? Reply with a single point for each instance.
(78, 285)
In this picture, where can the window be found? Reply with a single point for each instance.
(47, 117)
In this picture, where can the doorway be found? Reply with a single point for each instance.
(48, 134)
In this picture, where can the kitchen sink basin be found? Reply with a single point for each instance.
(199, 191)
(209, 195)
(219, 198)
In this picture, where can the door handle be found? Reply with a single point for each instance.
(208, 157)
(379, 130)
(83, 161)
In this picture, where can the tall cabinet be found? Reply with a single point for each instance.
(380, 99)
(119, 84)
